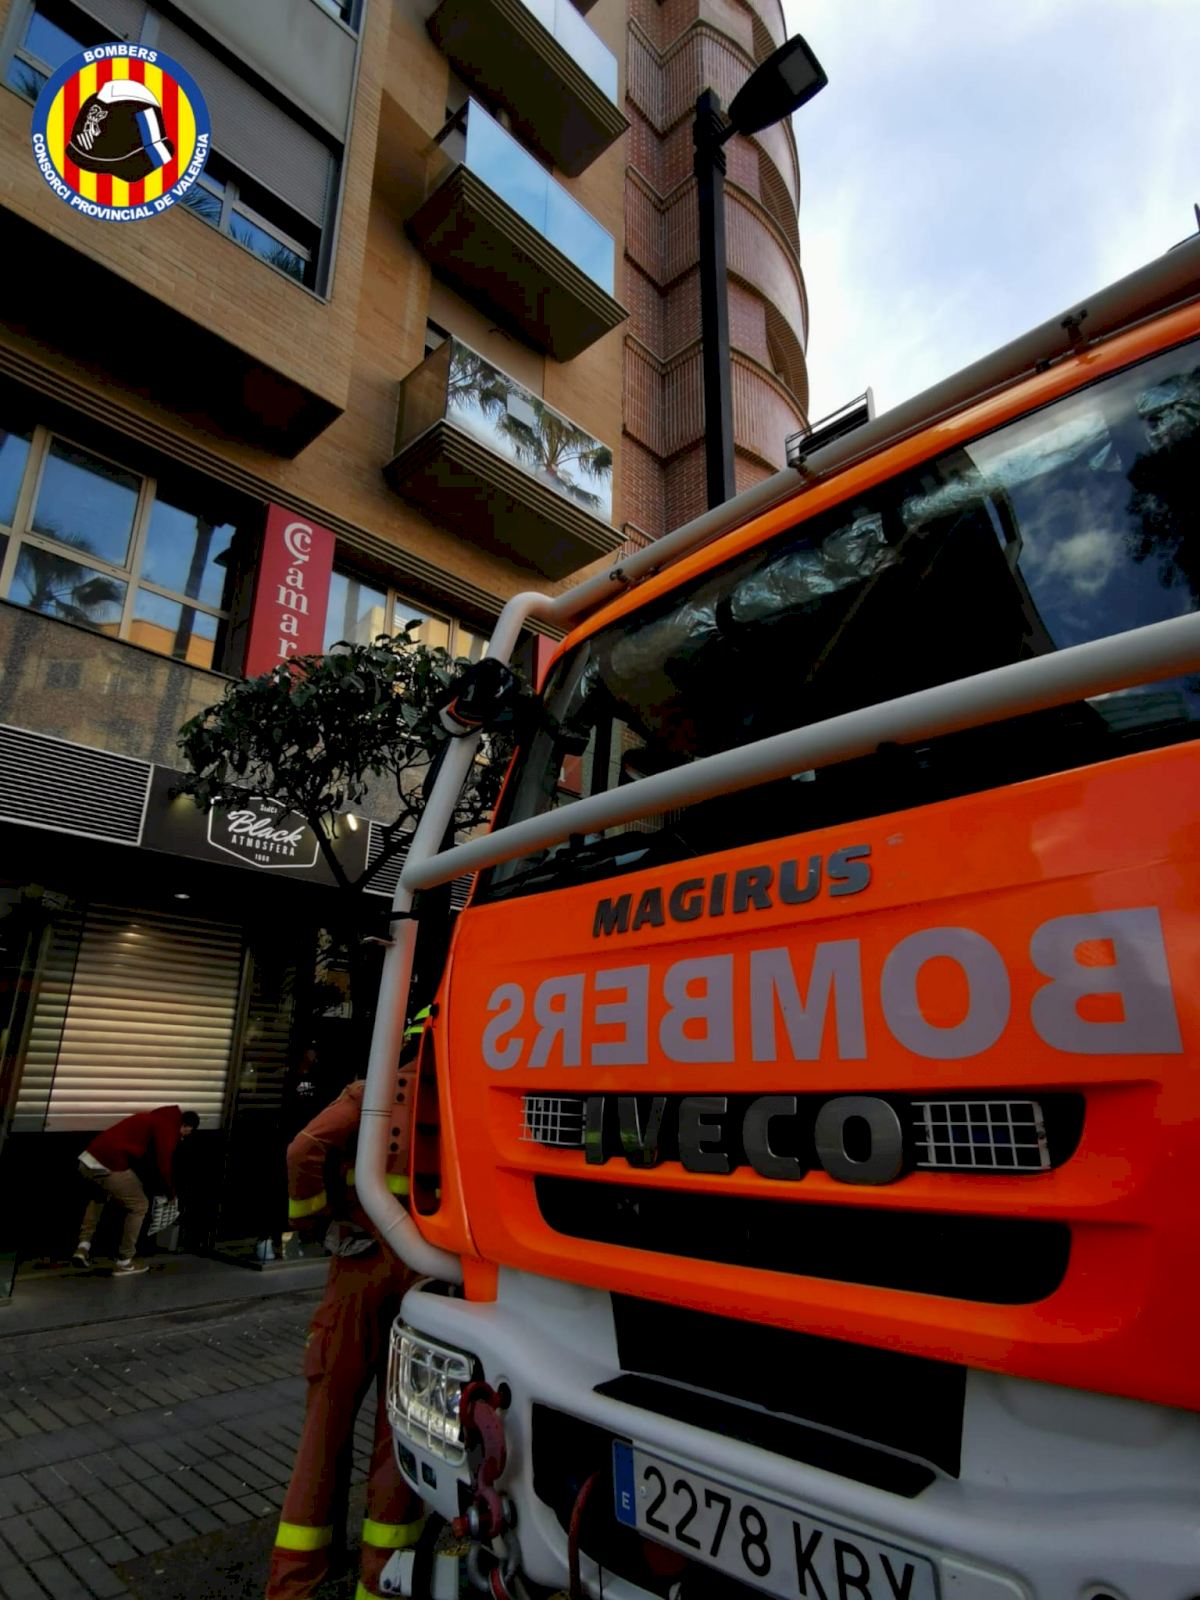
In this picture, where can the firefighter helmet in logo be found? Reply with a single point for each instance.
(120, 132)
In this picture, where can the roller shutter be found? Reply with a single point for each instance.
(252, 131)
(134, 1010)
(123, 17)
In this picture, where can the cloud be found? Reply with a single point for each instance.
(972, 170)
(1086, 561)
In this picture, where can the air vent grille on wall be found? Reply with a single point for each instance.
(48, 783)
(385, 881)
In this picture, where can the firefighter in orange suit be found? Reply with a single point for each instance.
(346, 1352)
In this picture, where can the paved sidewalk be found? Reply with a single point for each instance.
(148, 1457)
(58, 1297)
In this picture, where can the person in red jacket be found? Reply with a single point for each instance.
(346, 1351)
(149, 1139)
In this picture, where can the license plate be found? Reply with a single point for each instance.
(781, 1549)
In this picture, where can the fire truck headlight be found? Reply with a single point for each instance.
(425, 1382)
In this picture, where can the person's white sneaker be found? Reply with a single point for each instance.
(82, 1257)
(126, 1269)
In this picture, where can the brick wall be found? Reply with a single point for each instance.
(354, 346)
(676, 48)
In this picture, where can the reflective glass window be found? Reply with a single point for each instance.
(434, 631)
(357, 611)
(51, 583)
(267, 246)
(205, 202)
(14, 455)
(504, 166)
(468, 645)
(86, 528)
(86, 502)
(50, 37)
(186, 551)
(173, 629)
(25, 79)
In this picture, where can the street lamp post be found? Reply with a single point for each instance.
(781, 84)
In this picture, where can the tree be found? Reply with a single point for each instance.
(320, 734)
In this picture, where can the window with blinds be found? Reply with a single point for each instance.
(270, 179)
(122, 18)
(133, 1010)
(253, 132)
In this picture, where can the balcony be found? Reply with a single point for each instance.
(496, 225)
(543, 63)
(488, 458)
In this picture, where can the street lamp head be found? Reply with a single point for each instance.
(781, 84)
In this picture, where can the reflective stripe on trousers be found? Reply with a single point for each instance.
(345, 1356)
(391, 1535)
(297, 1536)
(397, 1183)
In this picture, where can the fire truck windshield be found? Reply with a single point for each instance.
(1073, 523)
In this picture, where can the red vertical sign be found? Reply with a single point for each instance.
(292, 592)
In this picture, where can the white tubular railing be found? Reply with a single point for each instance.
(1161, 650)
(396, 1226)
(1141, 656)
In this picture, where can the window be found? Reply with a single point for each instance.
(280, 216)
(255, 219)
(54, 32)
(360, 611)
(343, 10)
(1074, 523)
(87, 540)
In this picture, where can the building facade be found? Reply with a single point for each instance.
(675, 49)
(391, 329)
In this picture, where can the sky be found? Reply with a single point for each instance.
(975, 166)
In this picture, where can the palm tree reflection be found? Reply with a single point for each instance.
(60, 587)
(522, 426)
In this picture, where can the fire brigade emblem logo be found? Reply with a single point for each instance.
(121, 132)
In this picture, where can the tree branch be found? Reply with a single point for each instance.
(331, 860)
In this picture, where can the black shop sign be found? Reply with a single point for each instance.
(256, 833)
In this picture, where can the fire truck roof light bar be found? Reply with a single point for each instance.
(1161, 650)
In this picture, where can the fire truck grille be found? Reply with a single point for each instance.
(983, 1135)
(555, 1120)
(992, 1135)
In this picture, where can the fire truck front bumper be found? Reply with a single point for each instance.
(1056, 1494)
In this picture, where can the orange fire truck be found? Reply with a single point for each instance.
(807, 1140)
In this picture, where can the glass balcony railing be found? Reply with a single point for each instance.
(580, 40)
(478, 142)
(457, 384)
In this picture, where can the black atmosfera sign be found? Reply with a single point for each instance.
(261, 831)
(258, 834)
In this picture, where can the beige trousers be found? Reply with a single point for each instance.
(126, 1189)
